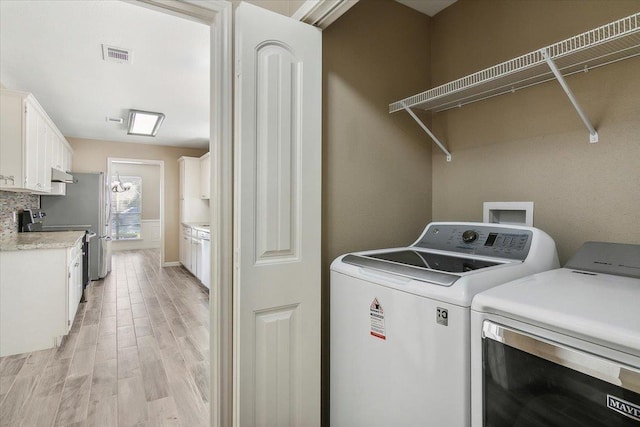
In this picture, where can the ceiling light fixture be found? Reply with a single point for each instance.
(144, 123)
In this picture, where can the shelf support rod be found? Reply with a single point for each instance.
(426, 129)
(593, 135)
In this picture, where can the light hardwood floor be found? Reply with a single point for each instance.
(137, 354)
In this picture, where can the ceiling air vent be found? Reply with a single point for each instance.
(116, 54)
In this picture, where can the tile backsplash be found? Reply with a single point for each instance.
(12, 202)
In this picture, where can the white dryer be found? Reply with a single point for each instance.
(400, 321)
(561, 348)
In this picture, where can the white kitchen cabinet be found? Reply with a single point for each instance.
(58, 146)
(74, 277)
(205, 257)
(196, 255)
(28, 144)
(43, 165)
(38, 305)
(31, 140)
(195, 252)
(192, 207)
(60, 159)
(185, 247)
(18, 141)
(63, 159)
(205, 177)
(67, 156)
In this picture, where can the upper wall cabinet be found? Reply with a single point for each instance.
(205, 177)
(193, 208)
(30, 146)
(601, 46)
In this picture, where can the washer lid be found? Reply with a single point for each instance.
(433, 261)
(435, 268)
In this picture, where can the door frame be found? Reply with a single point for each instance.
(160, 163)
(217, 14)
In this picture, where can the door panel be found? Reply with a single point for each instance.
(277, 349)
(277, 226)
(277, 143)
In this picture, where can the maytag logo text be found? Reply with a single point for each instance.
(622, 406)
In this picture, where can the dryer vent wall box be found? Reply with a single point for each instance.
(514, 213)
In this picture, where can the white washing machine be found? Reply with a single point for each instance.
(561, 348)
(400, 321)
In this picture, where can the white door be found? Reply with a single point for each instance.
(277, 220)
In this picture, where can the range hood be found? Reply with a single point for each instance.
(60, 176)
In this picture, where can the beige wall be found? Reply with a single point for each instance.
(531, 145)
(376, 166)
(91, 156)
(150, 175)
(377, 175)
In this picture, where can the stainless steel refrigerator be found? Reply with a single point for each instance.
(86, 206)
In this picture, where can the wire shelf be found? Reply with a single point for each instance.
(604, 45)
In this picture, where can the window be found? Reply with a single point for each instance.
(126, 208)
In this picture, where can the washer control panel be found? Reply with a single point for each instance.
(469, 236)
(478, 239)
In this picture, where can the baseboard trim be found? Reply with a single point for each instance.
(172, 264)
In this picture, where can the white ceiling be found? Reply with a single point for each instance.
(54, 50)
(428, 7)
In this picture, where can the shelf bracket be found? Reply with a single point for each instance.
(593, 135)
(426, 129)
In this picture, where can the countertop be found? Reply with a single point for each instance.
(198, 226)
(41, 240)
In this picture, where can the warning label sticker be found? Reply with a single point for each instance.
(376, 314)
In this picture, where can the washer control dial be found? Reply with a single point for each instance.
(469, 236)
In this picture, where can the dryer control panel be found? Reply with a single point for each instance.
(478, 239)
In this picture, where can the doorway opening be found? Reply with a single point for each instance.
(217, 14)
(136, 219)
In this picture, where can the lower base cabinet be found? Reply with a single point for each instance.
(195, 253)
(74, 276)
(40, 290)
(206, 262)
(185, 247)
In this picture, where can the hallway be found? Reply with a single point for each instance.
(137, 354)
